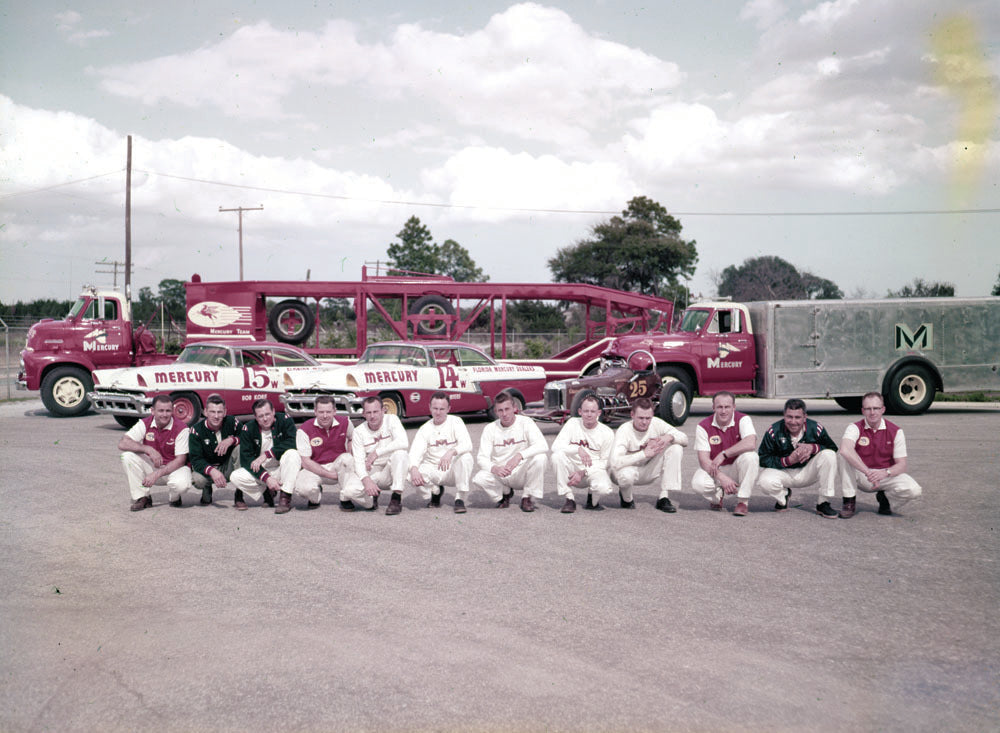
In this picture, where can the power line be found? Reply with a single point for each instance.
(518, 209)
(59, 185)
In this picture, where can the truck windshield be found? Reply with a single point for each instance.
(693, 320)
(79, 305)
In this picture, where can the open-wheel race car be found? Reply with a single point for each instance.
(616, 384)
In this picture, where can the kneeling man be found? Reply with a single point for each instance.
(580, 455)
(155, 451)
(267, 444)
(647, 450)
(324, 446)
(441, 455)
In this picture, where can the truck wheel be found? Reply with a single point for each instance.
(435, 305)
(64, 391)
(911, 390)
(126, 421)
(675, 402)
(671, 372)
(851, 404)
(392, 404)
(291, 322)
(574, 409)
(187, 407)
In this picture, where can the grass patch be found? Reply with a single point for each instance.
(967, 397)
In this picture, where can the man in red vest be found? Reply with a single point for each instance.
(155, 451)
(324, 445)
(726, 444)
(873, 458)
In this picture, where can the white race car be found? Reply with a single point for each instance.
(241, 372)
(404, 375)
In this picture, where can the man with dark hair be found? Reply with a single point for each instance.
(797, 452)
(324, 446)
(155, 451)
(512, 453)
(213, 444)
(647, 450)
(580, 455)
(873, 458)
(726, 446)
(267, 444)
(379, 447)
(441, 455)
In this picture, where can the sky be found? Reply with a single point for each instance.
(857, 139)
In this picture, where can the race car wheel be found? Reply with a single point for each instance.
(187, 407)
(675, 402)
(291, 322)
(517, 398)
(432, 305)
(911, 390)
(392, 405)
(64, 391)
(574, 409)
(126, 421)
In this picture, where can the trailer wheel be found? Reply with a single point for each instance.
(672, 372)
(64, 391)
(675, 402)
(291, 322)
(432, 305)
(187, 407)
(392, 405)
(851, 404)
(911, 390)
(126, 421)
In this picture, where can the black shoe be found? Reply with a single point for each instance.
(395, 504)
(374, 505)
(284, 503)
(177, 503)
(269, 497)
(665, 505)
(626, 504)
(778, 506)
(143, 502)
(239, 502)
(569, 507)
(826, 511)
(313, 505)
(436, 497)
(505, 501)
(592, 506)
(459, 506)
(590, 502)
(850, 506)
(883, 503)
(206, 495)
(346, 506)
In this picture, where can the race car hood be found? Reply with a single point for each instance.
(162, 376)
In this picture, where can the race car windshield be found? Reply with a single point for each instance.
(205, 354)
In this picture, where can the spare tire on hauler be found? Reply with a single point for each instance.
(427, 305)
(291, 322)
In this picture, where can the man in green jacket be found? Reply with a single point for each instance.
(267, 444)
(797, 452)
(213, 448)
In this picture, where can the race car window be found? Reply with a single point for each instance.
(471, 357)
(254, 358)
(284, 358)
(213, 355)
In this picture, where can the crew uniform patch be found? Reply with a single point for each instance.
(150, 436)
(715, 440)
(863, 440)
(315, 442)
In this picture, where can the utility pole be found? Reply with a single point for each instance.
(241, 209)
(115, 264)
(128, 226)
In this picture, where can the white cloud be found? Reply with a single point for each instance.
(67, 24)
(764, 13)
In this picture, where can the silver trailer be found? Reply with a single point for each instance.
(905, 348)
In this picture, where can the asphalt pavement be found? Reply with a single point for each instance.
(209, 619)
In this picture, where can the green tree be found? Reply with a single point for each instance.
(534, 316)
(996, 287)
(455, 261)
(772, 278)
(640, 250)
(921, 289)
(415, 249)
(417, 252)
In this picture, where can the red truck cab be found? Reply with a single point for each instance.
(97, 334)
(712, 349)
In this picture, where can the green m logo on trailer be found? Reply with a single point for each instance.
(922, 338)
